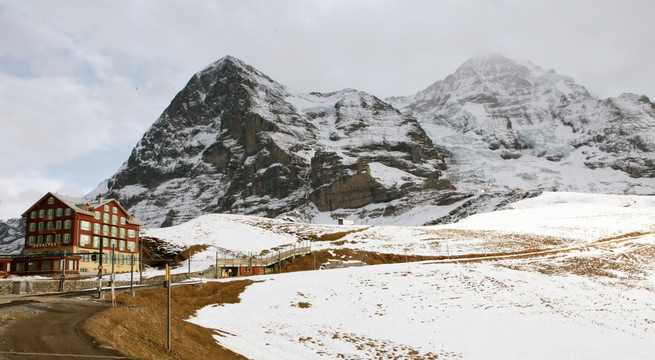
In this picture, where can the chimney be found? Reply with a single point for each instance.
(100, 198)
(86, 206)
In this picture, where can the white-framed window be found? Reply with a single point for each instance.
(33, 226)
(68, 224)
(33, 215)
(48, 239)
(131, 233)
(67, 238)
(105, 218)
(85, 225)
(106, 208)
(85, 240)
(42, 213)
(40, 239)
(97, 215)
(96, 241)
(121, 245)
(123, 220)
(41, 225)
(58, 225)
(68, 212)
(51, 200)
(105, 242)
(114, 219)
(51, 213)
(121, 232)
(131, 246)
(114, 231)
(57, 238)
(31, 239)
(59, 212)
(50, 225)
(114, 210)
(105, 230)
(96, 228)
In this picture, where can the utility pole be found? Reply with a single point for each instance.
(132, 275)
(113, 276)
(140, 261)
(167, 284)
(113, 260)
(100, 270)
(216, 267)
(63, 272)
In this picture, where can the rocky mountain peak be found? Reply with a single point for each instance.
(233, 140)
(513, 113)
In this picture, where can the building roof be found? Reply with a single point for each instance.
(77, 204)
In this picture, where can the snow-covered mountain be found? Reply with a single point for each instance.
(235, 141)
(515, 125)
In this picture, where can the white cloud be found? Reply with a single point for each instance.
(18, 193)
(88, 77)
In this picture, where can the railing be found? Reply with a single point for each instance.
(267, 260)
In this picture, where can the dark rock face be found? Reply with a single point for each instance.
(235, 141)
(12, 236)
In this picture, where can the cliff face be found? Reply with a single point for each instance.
(235, 141)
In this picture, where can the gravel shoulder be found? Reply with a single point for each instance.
(50, 327)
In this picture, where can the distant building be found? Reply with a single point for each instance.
(63, 231)
(346, 222)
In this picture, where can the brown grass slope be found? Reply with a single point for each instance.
(137, 327)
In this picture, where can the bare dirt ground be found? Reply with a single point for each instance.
(138, 327)
(50, 327)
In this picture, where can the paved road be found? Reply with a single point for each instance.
(49, 328)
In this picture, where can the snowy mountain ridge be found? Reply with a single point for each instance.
(515, 125)
(235, 141)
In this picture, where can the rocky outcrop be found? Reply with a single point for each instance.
(235, 141)
(12, 236)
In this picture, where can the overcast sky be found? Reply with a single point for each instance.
(81, 81)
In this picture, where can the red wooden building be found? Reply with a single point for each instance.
(64, 232)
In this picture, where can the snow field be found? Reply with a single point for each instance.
(594, 301)
(472, 311)
(552, 220)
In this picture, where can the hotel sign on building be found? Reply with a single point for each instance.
(58, 225)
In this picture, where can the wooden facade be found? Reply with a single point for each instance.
(65, 231)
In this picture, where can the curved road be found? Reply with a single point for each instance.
(49, 328)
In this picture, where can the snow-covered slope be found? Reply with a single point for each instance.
(590, 297)
(550, 220)
(515, 125)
